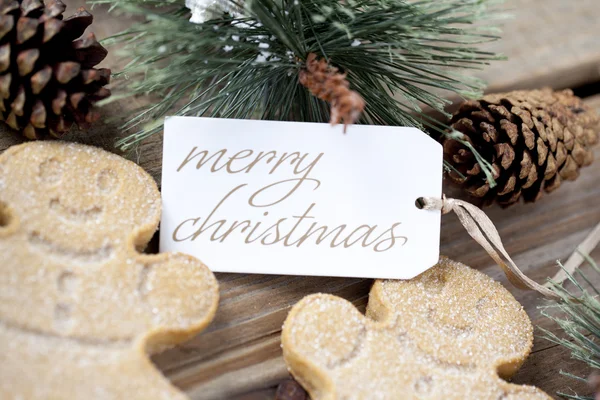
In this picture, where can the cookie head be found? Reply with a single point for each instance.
(75, 220)
(457, 315)
(61, 192)
(448, 333)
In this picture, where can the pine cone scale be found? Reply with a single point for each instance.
(553, 183)
(99, 76)
(476, 170)
(55, 8)
(11, 121)
(570, 171)
(483, 116)
(533, 139)
(7, 24)
(509, 186)
(19, 102)
(8, 6)
(40, 79)
(580, 155)
(76, 24)
(88, 52)
(479, 191)
(4, 57)
(26, 61)
(59, 102)
(29, 6)
(65, 71)
(52, 27)
(38, 115)
(532, 177)
(5, 81)
(466, 125)
(551, 168)
(528, 137)
(26, 29)
(100, 94)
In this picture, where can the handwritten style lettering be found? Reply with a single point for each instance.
(287, 231)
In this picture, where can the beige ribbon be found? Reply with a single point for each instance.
(482, 229)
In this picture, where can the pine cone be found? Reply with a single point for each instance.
(47, 82)
(533, 139)
(290, 390)
(326, 83)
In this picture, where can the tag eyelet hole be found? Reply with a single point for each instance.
(420, 203)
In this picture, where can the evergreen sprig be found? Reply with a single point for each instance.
(399, 56)
(577, 313)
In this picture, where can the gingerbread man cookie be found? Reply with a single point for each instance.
(80, 307)
(446, 334)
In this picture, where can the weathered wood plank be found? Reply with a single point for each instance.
(548, 43)
(543, 369)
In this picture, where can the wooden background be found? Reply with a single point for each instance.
(549, 43)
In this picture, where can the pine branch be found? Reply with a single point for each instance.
(578, 316)
(399, 56)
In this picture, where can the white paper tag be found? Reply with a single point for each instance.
(300, 198)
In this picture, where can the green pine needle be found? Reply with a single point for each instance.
(578, 316)
(399, 56)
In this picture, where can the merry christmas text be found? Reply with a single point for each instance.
(289, 231)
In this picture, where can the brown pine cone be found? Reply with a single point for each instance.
(47, 79)
(290, 390)
(533, 139)
(326, 83)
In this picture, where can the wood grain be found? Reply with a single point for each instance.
(549, 43)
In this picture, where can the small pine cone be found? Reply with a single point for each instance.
(327, 83)
(290, 390)
(533, 139)
(47, 79)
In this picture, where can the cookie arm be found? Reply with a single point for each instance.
(183, 295)
(321, 333)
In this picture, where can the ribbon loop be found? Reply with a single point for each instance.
(482, 229)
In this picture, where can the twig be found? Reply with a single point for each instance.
(578, 256)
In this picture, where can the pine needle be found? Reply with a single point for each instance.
(578, 316)
(400, 56)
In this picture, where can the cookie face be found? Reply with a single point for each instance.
(73, 285)
(446, 334)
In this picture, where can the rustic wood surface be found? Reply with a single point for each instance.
(548, 43)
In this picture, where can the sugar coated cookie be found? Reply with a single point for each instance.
(80, 307)
(446, 334)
